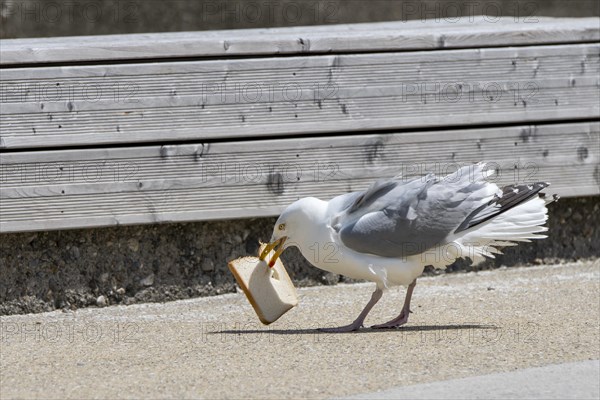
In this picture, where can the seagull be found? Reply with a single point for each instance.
(391, 231)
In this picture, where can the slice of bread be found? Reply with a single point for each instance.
(269, 290)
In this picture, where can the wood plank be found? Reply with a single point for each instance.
(219, 99)
(468, 32)
(102, 187)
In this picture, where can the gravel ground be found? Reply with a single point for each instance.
(71, 269)
(464, 324)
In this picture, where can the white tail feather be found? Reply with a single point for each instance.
(519, 224)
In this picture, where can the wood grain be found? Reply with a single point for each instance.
(470, 32)
(44, 190)
(248, 98)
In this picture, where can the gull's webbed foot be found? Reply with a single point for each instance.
(394, 323)
(353, 327)
(358, 322)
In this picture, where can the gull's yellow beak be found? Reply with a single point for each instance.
(277, 245)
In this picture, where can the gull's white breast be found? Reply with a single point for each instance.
(324, 250)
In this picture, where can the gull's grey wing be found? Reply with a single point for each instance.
(398, 219)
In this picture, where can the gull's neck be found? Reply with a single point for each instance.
(315, 233)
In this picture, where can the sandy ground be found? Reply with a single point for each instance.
(464, 324)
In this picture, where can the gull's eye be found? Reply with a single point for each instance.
(281, 227)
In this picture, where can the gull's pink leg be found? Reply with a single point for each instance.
(403, 317)
(358, 322)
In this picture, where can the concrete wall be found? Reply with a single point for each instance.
(41, 18)
(124, 265)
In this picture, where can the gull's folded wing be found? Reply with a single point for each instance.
(399, 219)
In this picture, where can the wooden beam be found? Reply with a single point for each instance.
(44, 190)
(468, 32)
(250, 98)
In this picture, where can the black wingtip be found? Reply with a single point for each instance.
(512, 196)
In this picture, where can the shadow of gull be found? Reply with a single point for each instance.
(411, 328)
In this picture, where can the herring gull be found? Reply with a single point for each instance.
(389, 232)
